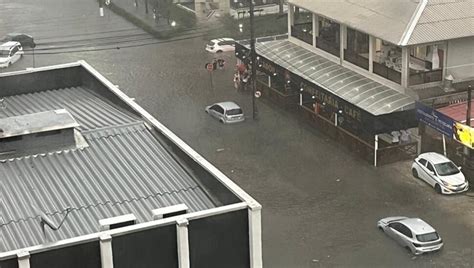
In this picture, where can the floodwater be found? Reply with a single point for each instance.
(320, 203)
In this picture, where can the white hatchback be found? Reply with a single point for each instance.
(440, 172)
(10, 52)
(221, 45)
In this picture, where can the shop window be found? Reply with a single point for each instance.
(328, 38)
(356, 48)
(302, 27)
(388, 61)
(426, 64)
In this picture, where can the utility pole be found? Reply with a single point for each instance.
(253, 59)
(468, 117)
(468, 114)
(146, 6)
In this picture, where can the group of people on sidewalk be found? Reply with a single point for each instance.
(241, 77)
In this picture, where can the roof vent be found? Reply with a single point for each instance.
(117, 222)
(38, 133)
(170, 211)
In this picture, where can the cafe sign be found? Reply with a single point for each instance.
(335, 103)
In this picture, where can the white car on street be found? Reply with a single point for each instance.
(10, 52)
(226, 112)
(412, 233)
(439, 172)
(221, 45)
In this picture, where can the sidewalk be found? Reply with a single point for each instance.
(135, 12)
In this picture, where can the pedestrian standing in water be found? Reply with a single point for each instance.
(236, 80)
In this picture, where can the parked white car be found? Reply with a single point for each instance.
(412, 233)
(10, 52)
(221, 45)
(226, 112)
(440, 172)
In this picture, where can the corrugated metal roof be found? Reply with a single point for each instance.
(89, 110)
(444, 20)
(124, 170)
(391, 20)
(355, 88)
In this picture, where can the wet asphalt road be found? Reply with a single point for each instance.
(320, 202)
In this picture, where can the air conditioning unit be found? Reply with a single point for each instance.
(117, 222)
(170, 211)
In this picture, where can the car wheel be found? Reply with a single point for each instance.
(219, 51)
(415, 173)
(222, 121)
(438, 189)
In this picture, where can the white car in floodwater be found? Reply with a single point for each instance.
(440, 172)
(10, 52)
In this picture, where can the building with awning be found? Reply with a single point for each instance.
(355, 68)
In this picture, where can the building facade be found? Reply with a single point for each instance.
(355, 69)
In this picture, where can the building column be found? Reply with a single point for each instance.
(23, 259)
(183, 242)
(405, 67)
(291, 18)
(255, 235)
(342, 40)
(371, 53)
(315, 28)
(106, 253)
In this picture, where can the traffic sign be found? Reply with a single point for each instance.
(210, 67)
(258, 94)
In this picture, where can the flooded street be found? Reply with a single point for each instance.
(320, 203)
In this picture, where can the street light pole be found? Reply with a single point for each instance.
(253, 60)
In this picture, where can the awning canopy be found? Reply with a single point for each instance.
(363, 92)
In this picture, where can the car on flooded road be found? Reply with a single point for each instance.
(439, 172)
(226, 112)
(412, 233)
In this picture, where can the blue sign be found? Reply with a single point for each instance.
(434, 119)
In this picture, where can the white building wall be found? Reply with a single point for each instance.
(460, 59)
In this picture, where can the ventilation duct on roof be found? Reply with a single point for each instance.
(38, 133)
(170, 211)
(117, 222)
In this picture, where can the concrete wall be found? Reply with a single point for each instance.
(39, 81)
(220, 240)
(460, 59)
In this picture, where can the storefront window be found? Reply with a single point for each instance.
(328, 38)
(426, 64)
(302, 27)
(356, 48)
(388, 61)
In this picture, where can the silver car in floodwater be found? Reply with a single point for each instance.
(412, 233)
(226, 112)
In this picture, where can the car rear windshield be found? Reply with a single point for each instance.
(4, 53)
(234, 112)
(447, 168)
(427, 237)
(211, 44)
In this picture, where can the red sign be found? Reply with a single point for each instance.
(210, 67)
